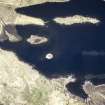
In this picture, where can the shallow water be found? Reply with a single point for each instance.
(67, 43)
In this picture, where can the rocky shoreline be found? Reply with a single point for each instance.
(20, 84)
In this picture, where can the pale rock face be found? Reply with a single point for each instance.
(21, 3)
(90, 76)
(88, 87)
(7, 13)
(3, 36)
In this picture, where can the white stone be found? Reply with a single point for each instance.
(49, 56)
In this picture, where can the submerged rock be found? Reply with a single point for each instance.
(35, 39)
(90, 76)
(24, 20)
(96, 94)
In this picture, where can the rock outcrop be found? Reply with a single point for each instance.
(96, 94)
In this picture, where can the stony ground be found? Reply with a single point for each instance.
(20, 84)
(21, 3)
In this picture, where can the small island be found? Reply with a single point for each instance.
(35, 39)
(76, 19)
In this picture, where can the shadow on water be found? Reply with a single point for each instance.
(48, 11)
(67, 43)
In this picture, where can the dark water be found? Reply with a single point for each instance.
(67, 43)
